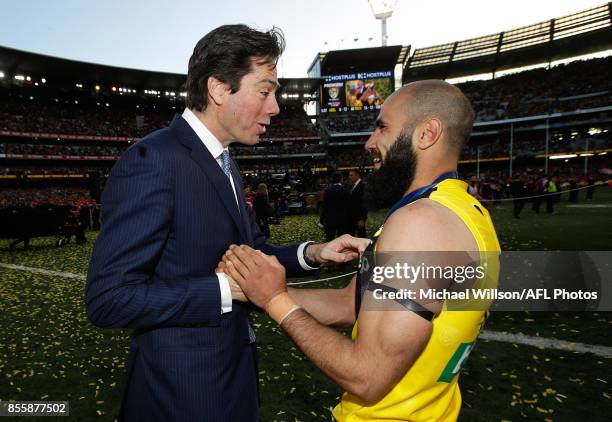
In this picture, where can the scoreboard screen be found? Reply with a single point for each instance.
(355, 91)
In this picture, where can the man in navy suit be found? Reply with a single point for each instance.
(172, 206)
(335, 214)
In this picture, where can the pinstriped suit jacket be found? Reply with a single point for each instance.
(168, 215)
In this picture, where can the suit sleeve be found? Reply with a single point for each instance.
(123, 289)
(287, 255)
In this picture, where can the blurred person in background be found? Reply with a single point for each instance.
(335, 213)
(358, 212)
(262, 208)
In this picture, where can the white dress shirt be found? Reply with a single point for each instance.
(215, 148)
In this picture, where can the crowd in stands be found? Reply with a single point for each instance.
(54, 170)
(357, 157)
(542, 91)
(23, 197)
(354, 122)
(281, 166)
(44, 111)
(569, 87)
(528, 147)
(268, 148)
(291, 122)
(528, 93)
(81, 150)
(577, 85)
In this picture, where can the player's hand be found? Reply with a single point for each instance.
(261, 277)
(338, 251)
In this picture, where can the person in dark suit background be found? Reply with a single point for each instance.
(172, 206)
(335, 214)
(27, 221)
(261, 206)
(357, 210)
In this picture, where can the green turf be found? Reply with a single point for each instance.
(48, 350)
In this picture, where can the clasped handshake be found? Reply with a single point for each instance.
(260, 278)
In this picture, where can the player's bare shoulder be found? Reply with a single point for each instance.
(426, 225)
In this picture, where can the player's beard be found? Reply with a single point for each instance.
(389, 183)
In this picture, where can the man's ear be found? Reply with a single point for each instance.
(428, 132)
(218, 91)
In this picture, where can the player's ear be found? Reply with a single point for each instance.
(428, 133)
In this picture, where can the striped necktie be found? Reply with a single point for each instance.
(225, 164)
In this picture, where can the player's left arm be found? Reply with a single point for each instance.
(388, 342)
(368, 368)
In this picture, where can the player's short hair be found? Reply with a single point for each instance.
(436, 98)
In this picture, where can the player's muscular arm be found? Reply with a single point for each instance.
(388, 343)
(334, 307)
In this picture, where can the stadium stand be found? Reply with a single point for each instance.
(59, 130)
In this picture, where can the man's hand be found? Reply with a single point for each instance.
(235, 290)
(260, 276)
(338, 251)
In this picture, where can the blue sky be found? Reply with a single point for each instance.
(160, 35)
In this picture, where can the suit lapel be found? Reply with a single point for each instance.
(208, 164)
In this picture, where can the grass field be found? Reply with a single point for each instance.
(49, 351)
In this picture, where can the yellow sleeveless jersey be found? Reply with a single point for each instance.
(429, 391)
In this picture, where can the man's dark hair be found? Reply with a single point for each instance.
(357, 172)
(226, 53)
(337, 177)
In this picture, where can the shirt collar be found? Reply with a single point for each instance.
(209, 140)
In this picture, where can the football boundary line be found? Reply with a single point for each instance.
(486, 335)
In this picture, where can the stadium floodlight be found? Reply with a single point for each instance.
(43, 80)
(19, 77)
(97, 87)
(562, 156)
(382, 10)
(1, 75)
(114, 88)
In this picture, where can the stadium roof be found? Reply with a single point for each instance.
(580, 33)
(299, 86)
(360, 59)
(60, 72)
(65, 73)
